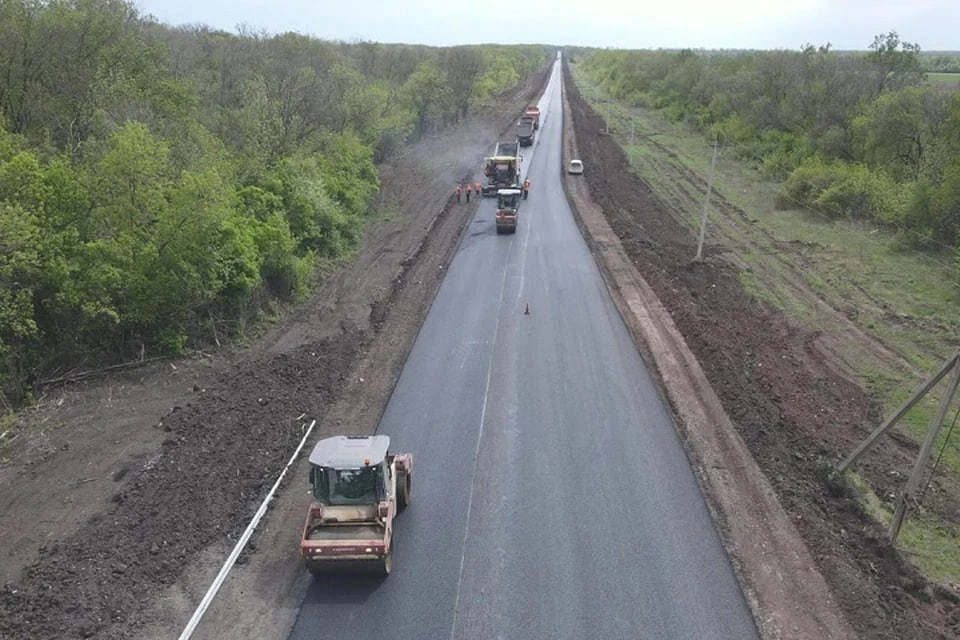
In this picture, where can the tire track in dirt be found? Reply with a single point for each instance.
(734, 229)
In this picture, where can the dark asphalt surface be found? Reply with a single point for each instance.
(551, 494)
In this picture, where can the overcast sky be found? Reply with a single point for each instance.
(709, 24)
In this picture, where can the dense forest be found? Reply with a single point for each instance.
(160, 185)
(856, 135)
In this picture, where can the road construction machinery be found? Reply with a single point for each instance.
(534, 112)
(524, 130)
(503, 168)
(508, 148)
(508, 208)
(358, 488)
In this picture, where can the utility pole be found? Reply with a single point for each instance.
(913, 483)
(908, 404)
(706, 202)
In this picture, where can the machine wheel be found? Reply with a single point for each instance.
(386, 562)
(403, 491)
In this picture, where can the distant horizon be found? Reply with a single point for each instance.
(738, 25)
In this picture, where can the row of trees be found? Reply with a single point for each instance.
(160, 184)
(857, 135)
(940, 62)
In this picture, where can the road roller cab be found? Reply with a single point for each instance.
(358, 487)
(508, 207)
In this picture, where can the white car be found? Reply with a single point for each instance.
(575, 167)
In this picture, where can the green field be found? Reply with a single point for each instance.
(906, 302)
(948, 79)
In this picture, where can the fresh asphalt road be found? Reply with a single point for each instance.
(551, 494)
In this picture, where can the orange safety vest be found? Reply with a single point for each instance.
(457, 190)
(526, 184)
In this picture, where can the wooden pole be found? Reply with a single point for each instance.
(899, 413)
(919, 467)
(706, 203)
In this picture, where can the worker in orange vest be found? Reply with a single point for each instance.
(526, 188)
(476, 187)
(456, 192)
(469, 189)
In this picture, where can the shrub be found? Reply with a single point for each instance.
(840, 190)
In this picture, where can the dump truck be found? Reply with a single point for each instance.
(508, 209)
(358, 488)
(524, 131)
(507, 148)
(534, 112)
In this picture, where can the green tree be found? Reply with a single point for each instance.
(429, 96)
(283, 271)
(254, 128)
(462, 67)
(349, 177)
(895, 63)
(155, 179)
(316, 221)
(128, 182)
(206, 255)
(897, 131)
(943, 217)
(498, 74)
(20, 264)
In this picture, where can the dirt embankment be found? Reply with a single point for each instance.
(794, 410)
